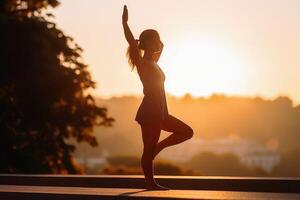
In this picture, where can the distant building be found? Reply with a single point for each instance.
(265, 160)
(92, 161)
(250, 152)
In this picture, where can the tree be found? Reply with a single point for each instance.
(44, 99)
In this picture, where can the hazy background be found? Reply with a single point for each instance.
(232, 73)
(235, 136)
(235, 47)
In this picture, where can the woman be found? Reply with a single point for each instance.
(152, 114)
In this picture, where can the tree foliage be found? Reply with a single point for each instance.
(44, 97)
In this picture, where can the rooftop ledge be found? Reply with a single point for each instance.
(217, 183)
(17, 192)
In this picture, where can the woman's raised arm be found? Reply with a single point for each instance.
(129, 37)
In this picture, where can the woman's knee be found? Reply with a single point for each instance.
(186, 131)
(189, 132)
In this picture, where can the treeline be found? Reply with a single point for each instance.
(273, 122)
(264, 120)
(205, 163)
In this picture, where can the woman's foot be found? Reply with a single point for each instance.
(155, 186)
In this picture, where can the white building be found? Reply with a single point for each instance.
(90, 162)
(265, 160)
(250, 152)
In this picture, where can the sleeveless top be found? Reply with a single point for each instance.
(154, 105)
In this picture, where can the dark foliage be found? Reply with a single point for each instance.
(43, 92)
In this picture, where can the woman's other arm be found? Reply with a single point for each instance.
(157, 54)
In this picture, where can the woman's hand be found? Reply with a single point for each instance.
(161, 46)
(125, 14)
(157, 54)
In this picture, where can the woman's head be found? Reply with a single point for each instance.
(149, 40)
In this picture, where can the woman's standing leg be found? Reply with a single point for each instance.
(181, 132)
(150, 134)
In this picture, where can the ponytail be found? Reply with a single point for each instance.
(131, 56)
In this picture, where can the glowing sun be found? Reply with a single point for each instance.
(202, 66)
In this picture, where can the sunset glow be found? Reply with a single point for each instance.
(246, 48)
(207, 90)
(202, 66)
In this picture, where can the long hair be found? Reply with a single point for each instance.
(144, 36)
(131, 56)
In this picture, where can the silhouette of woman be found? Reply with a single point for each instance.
(152, 115)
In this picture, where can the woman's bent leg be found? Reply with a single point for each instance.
(181, 132)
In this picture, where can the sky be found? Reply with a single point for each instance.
(233, 47)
